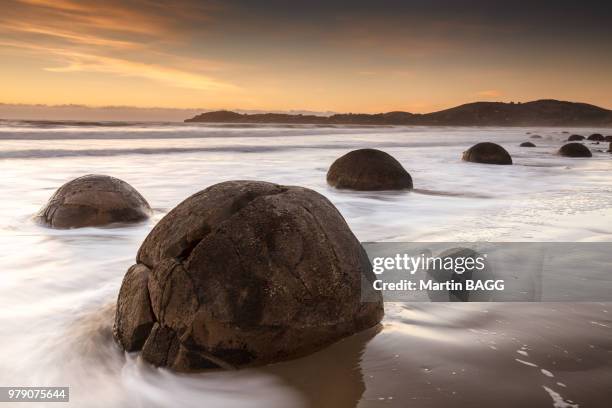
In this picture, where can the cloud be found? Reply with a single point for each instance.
(129, 39)
(490, 93)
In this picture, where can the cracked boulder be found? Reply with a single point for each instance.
(487, 153)
(94, 200)
(245, 273)
(368, 170)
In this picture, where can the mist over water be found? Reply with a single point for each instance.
(58, 288)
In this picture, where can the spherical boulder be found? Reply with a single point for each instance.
(596, 137)
(245, 273)
(487, 153)
(574, 150)
(368, 170)
(575, 138)
(94, 200)
(527, 144)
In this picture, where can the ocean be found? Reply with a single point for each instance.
(58, 287)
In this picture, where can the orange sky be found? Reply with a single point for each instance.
(341, 56)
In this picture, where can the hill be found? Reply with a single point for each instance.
(545, 112)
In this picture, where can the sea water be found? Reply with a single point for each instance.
(58, 287)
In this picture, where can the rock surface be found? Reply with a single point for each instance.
(597, 137)
(245, 273)
(574, 138)
(527, 144)
(575, 150)
(608, 138)
(535, 137)
(368, 170)
(488, 153)
(94, 200)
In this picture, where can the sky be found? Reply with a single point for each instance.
(352, 56)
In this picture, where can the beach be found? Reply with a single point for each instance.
(59, 286)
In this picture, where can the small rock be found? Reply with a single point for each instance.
(527, 144)
(575, 150)
(488, 153)
(94, 200)
(368, 170)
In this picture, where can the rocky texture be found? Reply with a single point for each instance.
(245, 273)
(535, 137)
(134, 318)
(596, 137)
(527, 144)
(488, 153)
(94, 200)
(608, 138)
(574, 138)
(574, 150)
(544, 112)
(368, 170)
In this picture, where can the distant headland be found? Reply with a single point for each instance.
(544, 112)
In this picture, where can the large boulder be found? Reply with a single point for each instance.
(488, 153)
(94, 200)
(575, 138)
(527, 144)
(596, 137)
(245, 273)
(368, 170)
(574, 150)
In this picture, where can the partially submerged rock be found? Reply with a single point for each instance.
(535, 137)
(527, 144)
(94, 200)
(596, 137)
(488, 153)
(575, 150)
(245, 273)
(575, 138)
(608, 138)
(368, 170)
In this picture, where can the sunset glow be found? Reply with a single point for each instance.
(327, 56)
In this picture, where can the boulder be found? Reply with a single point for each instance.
(574, 138)
(527, 144)
(368, 170)
(610, 148)
(245, 273)
(574, 150)
(535, 137)
(608, 138)
(488, 153)
(94, 200)
(596, 137)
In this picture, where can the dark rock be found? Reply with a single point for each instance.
(597, 137)
(535, 137)
(246, 273)
(610, 148)
(94, 200)
(574, 150)
(488, 153)
(574, 138)
(608, 138)
(368, 170)
(527, 144)
(134, 318)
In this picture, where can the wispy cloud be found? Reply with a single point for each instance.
(113, 39)
(490, 93)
